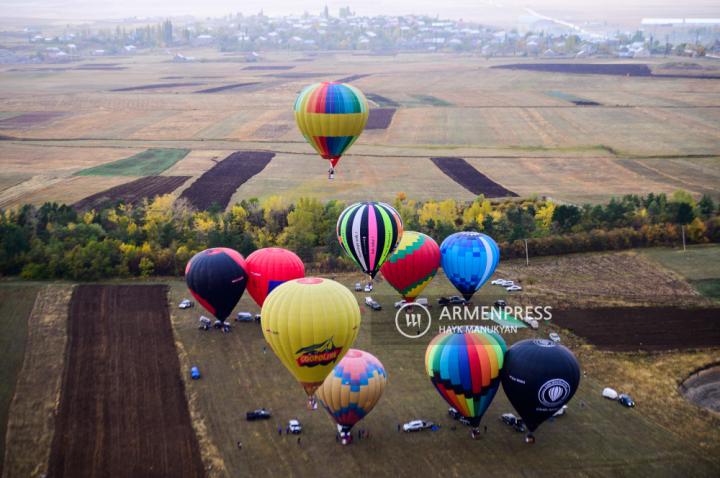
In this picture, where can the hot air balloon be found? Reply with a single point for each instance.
(352, 389)
(469, 259)
(369, 232)
(465, 369)
(539, 377)
(217, 278)
(310, 324)
(268, 268)
(413, 264)
(331, 116)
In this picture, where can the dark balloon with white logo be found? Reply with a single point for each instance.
(539, 376)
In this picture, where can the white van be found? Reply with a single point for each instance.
(609, 393)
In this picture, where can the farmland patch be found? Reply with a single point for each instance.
(382, 101)
(269, 67)
(617, 69)
(148, 163)
(431, 100)
(122, 409)
(470, 178)
(351, 78)
(577, 101)
(380, 118)
(156, 86)
(234, 86)
(134, 191)
(217, 185)
(629, 329)
(28, 120)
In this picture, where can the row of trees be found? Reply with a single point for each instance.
(159, 237)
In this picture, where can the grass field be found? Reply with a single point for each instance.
(16, 302)
(600, 437)
(647, 135)
(699, 264)
(148, 163)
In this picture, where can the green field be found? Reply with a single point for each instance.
(16, 302)
(700, 265)
(596, 438)
(148, 163)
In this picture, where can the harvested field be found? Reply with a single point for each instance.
(37, 391)
(218, 184)
(577, 101)
(380, 118)
(234, 86)
(148, 163)
(298, 75)
(470, 178)
(617, 69)
(156, 86)
(382, 101)
(134, 191)
(431, 100)
(628, 329)
(122, 408)
(28, 120)
(269, 67)
(351, 78)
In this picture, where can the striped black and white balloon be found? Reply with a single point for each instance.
(369, 232)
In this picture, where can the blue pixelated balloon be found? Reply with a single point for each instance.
(469, 259)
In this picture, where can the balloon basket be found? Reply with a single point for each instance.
(475, 433)
(312, 403)
(530, 439)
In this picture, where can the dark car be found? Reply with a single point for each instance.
(513, 421)
(259, 414)
(375, 306)
(454, 300)
(500, 304)
(626, 400)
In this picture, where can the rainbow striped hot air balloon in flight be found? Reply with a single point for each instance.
(465, 369)
(331, 116)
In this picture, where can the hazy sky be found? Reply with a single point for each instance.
(623, 11)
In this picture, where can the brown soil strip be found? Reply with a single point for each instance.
(352, 78)
(122, 410)
(380, 118)
(26, 120)
(269, 67)
(218, 184)
(37, 392)
(382, 101)
(157, 86)
(614, 69)
(134, 191)
(470, 178)
(234, 86)
(628, 329)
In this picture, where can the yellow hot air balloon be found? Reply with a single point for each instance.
(310, 324)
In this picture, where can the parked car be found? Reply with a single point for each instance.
(625, 400)
(358, 287)
(554, 337)
(454, 300)
(368, 287)
(259, 414)
(417, 425)
(244, 317)
(185, 304)
(561, 411)
(194, 372)
(533, 324)
(609, 393)
(513, 421)
(419, 301)
(295, 426)
(458, 416)
(500, 304)
(372, 304)
(400, 303)
(502, 282)
(513, 288)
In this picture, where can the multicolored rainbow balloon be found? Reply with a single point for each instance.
(331, 116)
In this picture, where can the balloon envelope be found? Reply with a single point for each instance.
(369, 232)
(268, 268)
(469, 259)
(539, 377)
(310, 324)
(217, 278)
(353, 388)
(413, 264)
(465, 369)
(331, 116)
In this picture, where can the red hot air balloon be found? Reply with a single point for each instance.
(268, 268)
(217, 278)
(413, 264)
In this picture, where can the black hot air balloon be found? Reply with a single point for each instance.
(539, 377)
(217, 278)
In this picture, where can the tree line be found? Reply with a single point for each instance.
(158, 237)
